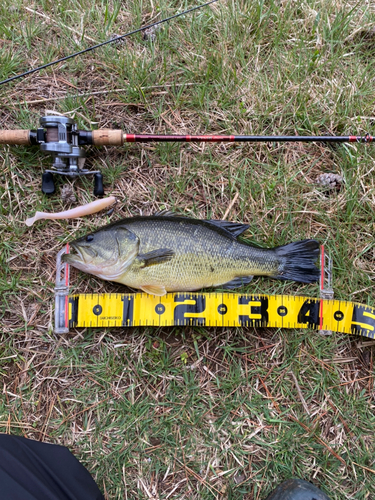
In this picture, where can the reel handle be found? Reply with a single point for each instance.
(13, 137)
(98, 185)
(48, 186)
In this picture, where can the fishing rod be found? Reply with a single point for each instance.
(112, 40)
(59, 137)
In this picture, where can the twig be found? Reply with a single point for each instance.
(340, 417)
(300, 393)
(363, 467)
(350, 382)
(274, 402)
(148, 492)
(317, 360)
(175, 487)
(231, 205)
(197, 476)
(210, 372)
(17, 425)
(320, 440)
(44, 431)
(366, 344)
(370, 382)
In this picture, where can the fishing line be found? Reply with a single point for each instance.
(106, 42)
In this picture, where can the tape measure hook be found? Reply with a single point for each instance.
(326, 289)
(61, 294)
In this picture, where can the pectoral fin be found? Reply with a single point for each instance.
(155, 257)
(154, 289)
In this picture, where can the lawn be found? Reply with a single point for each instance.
(194, 412)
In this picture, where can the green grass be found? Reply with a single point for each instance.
(182, 412)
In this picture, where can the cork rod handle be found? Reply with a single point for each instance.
(107, 137)
(14, 137)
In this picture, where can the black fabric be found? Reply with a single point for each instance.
(31, 470)
(297, 489)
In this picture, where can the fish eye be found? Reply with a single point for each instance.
(89, 237)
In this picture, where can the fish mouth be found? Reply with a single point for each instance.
(78, 254)
(75, 255)
(75, 250)
(82, 252)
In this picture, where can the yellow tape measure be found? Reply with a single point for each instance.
(220, 310)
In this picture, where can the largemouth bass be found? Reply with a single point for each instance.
(166, 253)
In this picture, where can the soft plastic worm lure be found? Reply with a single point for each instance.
(90, 208)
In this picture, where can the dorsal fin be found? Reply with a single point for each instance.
(165, 213)
(234, 228)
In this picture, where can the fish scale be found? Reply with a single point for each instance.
(203, 256)
(172, 253)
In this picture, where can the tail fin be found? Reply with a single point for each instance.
(297, 261)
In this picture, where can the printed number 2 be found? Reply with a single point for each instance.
(180, 310)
